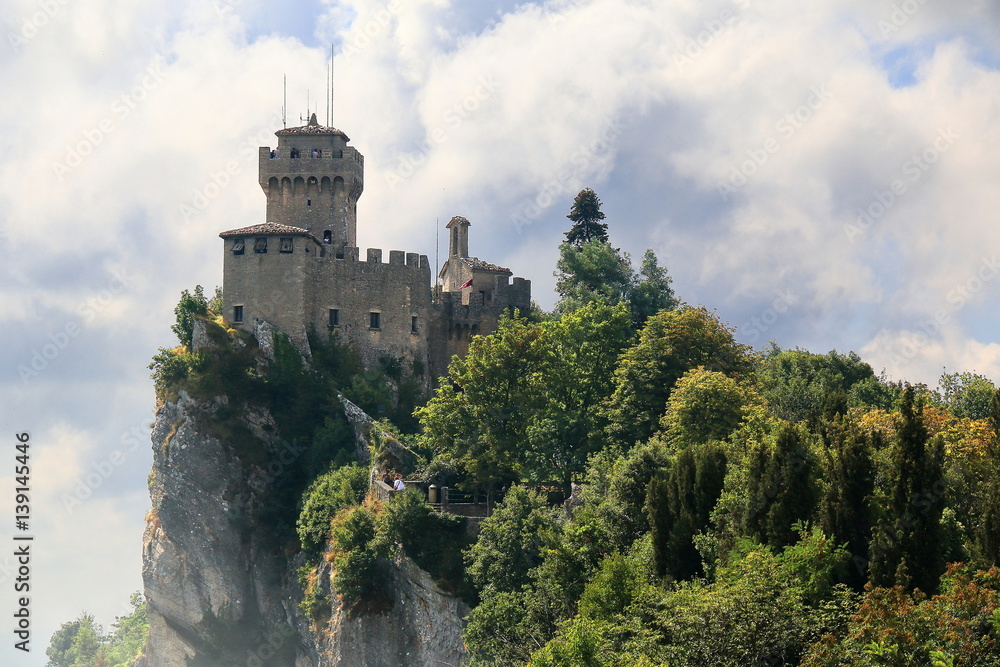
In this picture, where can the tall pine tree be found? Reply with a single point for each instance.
(907, 549)
(586, 215)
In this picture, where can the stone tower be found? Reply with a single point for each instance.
(302, 272)
(313, 180)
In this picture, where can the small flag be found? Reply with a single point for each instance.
(467, 283)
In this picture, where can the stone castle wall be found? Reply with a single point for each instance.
(397, 291)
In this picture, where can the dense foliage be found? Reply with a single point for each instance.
(722, 506)
(83, 643)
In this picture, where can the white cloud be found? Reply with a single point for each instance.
(497, 112)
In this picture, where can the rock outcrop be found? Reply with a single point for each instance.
(219, 589)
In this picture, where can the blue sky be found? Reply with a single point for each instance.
(740, 139)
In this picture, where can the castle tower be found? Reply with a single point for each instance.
(458, 245)
(313, 180)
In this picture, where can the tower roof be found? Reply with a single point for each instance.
(313, 128)
(457, 220)
(268, 228)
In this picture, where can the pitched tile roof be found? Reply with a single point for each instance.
(268, 228)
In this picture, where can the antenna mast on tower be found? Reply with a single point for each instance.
(331, 83)
(284, 99)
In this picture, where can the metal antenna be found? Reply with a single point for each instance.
(331, 83)
(284, 100)
(306, 119)
(437, 259)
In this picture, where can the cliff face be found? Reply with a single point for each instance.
(219, 590)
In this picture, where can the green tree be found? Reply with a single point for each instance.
(680, 505)
(520, 405)
(907, 547)
(586, 215)
(190, 306)
(593, 271)
(75, 644)
(783, 488)
(326, 496)
(512, 616)
(704, 406)
(479, 415)
(128, 640)
(802, 386)
(581, 351)
(988, 530)
(511, 542)
(846, 512)
(671, 343)
(967, 395)
(651, 292)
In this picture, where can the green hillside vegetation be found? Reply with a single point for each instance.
(729, 506)
(83, 643)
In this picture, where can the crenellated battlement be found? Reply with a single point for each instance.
(302, 270)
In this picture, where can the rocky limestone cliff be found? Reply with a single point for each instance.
(219, 590)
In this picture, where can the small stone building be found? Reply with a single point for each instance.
(302, 271)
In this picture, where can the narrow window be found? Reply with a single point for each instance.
(334, 317)
(413, 324)
(238, 246)
(327, 237)
(286, 245)
(237, 313)
(260, 245)
(309, 202)
(374, 320)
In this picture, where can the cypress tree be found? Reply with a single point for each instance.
(907, 549)
(988, 533)
(791, 470)
(849, 484)
(680, 505)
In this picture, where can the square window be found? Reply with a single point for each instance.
(334, 317)
(286, 245)
(260, 245)
(413, 324)
(237, 313)
(238, 246)
(374, 320)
